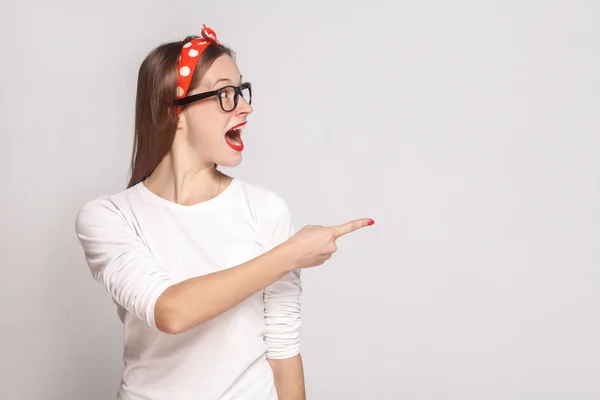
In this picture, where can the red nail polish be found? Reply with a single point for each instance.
(371, 222)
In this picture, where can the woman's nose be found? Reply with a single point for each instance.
(243, 107)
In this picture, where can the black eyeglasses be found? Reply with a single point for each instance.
(228, 96)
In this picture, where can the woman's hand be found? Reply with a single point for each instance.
(314, 244)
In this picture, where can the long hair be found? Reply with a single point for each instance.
(155, 116)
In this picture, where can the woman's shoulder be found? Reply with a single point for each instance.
(261, 194)
(268, 209)
(107, 207)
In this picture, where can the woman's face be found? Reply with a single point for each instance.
(206, 127)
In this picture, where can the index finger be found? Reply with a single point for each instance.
(351, 226)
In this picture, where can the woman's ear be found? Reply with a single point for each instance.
(181, 122)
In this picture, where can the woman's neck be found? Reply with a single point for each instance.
(186, 184)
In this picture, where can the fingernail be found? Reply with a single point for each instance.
(371, 222)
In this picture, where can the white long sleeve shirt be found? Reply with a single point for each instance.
(137, 244)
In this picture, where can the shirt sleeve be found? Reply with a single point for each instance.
(282, 298)
(119, 260)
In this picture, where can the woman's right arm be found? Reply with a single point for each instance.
(197, 300)
(131, 274)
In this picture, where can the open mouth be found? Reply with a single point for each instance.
(233, 137)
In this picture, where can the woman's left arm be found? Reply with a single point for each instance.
(289, 378)
(282, 309)
(282, 337)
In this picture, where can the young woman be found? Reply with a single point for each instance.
(204, 268)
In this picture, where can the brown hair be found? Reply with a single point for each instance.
(155, 116)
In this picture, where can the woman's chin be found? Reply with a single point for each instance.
(230, 162)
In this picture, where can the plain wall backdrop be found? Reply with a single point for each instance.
(469, 130)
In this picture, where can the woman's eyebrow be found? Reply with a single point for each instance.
(224, 80)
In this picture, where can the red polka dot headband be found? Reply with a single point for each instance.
(188, 59)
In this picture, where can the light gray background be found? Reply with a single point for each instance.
(469, 130)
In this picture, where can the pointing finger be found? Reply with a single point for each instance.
(351, 226)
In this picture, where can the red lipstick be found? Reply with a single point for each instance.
(233, 137)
